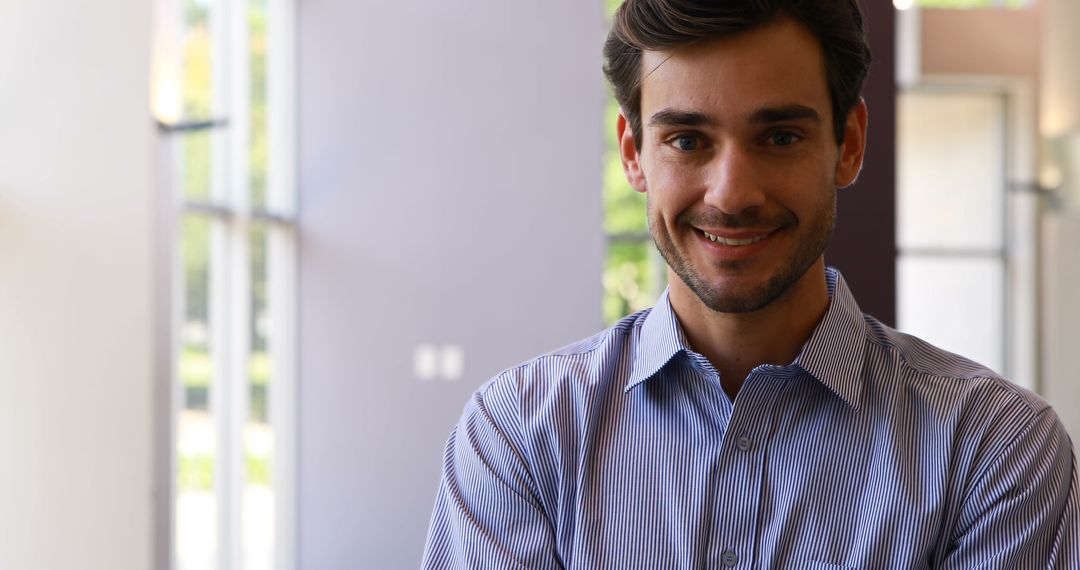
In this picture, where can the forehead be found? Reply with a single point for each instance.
(778, 64)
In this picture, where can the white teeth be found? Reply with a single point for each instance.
(727, 241)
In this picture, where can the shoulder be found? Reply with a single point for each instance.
(979, 403)
(558, 390)
(919, 361)
(584, 365)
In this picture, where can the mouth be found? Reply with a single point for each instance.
(735, 242)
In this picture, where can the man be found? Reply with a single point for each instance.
(755, 418)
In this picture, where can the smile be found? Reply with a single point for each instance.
(734, 242)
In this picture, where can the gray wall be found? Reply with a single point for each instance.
(450, 159)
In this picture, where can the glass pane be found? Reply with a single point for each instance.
(257, 11)
(199, 153)
(954, 303)
(632, 278)
(196, 149)
(259, 512)
(198, 44)
(951, 171)
(196, 436)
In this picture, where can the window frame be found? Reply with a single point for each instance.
(231, 216)
(1021, 254)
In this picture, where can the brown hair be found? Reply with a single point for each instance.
(659, 25)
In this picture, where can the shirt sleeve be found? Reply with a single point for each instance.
(1024, 509)
(487, 512)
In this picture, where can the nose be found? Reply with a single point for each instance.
(734, 184)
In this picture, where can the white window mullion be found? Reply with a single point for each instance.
(221, 104)
(236, 416)
(220, 300)
(221, 288)
(281, 106)
(239, 197)
(281, 297)
(281, 267)
(172, 259)
(168, 107)
(239, 294)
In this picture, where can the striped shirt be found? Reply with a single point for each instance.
(872, 449)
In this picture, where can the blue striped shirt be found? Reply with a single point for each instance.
(872, 449)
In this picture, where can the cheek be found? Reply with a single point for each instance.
(671, 181)
(802, 180)
(814, 196)
(671, 195)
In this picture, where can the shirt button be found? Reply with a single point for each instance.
(744, 443)
(729, 559)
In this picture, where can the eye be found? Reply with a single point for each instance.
(685, 142)
(783, 139)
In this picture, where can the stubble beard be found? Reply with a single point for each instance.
(723, 299)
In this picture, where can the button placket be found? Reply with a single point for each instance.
(745, 449)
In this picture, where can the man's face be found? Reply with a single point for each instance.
(740, 162)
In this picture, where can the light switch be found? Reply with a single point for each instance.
(426, 361)
(453, 363)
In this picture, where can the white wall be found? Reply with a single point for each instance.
(76, 155)
(1060, 122)
(1062, 233)
(1061, 75)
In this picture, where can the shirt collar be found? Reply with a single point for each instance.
(658, 341)
(833, 354)
(835, 351)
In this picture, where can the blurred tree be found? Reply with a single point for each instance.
(632, 273)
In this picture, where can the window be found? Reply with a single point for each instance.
(951, 221)
(967, 222)
(634, 272)
(224, 96)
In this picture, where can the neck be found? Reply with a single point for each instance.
(736, 343)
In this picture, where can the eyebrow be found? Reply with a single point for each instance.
(766, 115)
(762, 116)
(676, 118)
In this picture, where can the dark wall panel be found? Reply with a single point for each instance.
(864, 246)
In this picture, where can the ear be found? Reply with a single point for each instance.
(850, 161)
(630, 155)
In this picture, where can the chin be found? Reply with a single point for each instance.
(745, 294)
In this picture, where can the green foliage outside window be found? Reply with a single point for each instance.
(629, 275)
(633, 276)
(197, 165)
(196, 79)
(196, 472)
(259, 148)
(630, 271)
